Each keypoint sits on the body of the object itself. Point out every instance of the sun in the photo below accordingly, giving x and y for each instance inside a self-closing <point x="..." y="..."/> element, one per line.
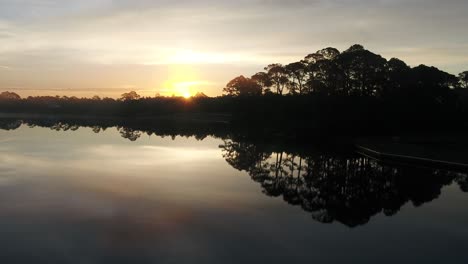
<point x="184" y="89"/>
<point x="182" y="81"/>
<point x="187" y="95"/>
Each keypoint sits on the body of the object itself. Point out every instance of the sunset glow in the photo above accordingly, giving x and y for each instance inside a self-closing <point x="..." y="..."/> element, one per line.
<point x="182" y="80"/>
<point x="184" y="56"/>
<point x="124" y="43"/>
<point x="184" y="89"/>
<point x="245" y="131"/>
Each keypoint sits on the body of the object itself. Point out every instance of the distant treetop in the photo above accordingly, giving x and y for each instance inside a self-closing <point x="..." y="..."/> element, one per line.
<point x="463" y="77"/>
<point x="243" y="86"/>
<point x="9" y="96"/>
<point x="200" y="95"/>
<point x="129" y="96"/>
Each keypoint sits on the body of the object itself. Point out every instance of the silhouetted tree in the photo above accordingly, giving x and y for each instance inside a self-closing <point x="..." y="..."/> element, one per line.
<point x="354" y="89"/>
<point x="200" y="95"/>
<point x="264" y="80"/>
<point x="324" y="74"/>
<point x="463" y="79"/>
<point x="242" y="86"/>
<point x="130" y="96"/>
<point x="298" y="73"/>
<point x="129" y="133"/>
<point x="10" y="124"/>
<point x="278" y="76"/>
<point x="9" y="96"/>
<point x="242" y="156"/>
<point x="398" y="78"/>
<point x="364" y="71"/>
<point x="432" y="84"/>
<point x="329" y="53"/>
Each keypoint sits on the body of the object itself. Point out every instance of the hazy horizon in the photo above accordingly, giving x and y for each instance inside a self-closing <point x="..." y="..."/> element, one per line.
<point x="105" y="48"/>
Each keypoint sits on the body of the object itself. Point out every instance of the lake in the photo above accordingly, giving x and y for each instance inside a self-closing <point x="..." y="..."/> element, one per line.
<point x="72" y="194"/>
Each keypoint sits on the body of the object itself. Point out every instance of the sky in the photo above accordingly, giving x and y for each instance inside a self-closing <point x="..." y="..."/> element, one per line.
<point x="107" y="47"/>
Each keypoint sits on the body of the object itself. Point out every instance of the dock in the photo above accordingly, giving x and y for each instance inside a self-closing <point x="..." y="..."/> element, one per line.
<point x="449" y="155"/>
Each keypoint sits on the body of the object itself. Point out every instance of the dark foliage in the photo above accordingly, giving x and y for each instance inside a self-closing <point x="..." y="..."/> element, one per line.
<point x="354" y="92"/>
<point x="325" y="176"/>
<point x="337" y="186"/>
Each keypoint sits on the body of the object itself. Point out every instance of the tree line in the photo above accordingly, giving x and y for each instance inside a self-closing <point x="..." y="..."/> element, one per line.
<point x="128" y="104"/>
<point x="353" y="72"/>
<point x="354" y="92"/>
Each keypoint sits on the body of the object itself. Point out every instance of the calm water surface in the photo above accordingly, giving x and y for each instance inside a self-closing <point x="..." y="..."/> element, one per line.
<point x="85" y="197"/>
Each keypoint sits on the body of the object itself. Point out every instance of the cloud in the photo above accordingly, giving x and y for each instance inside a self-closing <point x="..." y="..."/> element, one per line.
<point x="51" y="34"/>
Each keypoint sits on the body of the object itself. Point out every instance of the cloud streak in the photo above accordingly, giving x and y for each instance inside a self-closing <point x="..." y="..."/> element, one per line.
<point x="43" y="35"/>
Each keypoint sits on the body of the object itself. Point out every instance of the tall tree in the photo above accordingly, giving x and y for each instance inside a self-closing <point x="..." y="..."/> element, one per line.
<point x="364" y="71"/>
<point x="130" y="96"/>
<point x="430" y="83"/>
<point x="329" y="53"/>
<point x="323" y="74"/>
<point x="313" y="58"/>
<point x="278" y="76"/>
<point x="397" y="80"/>
<point x="463" y="79"/>
<point x="9" y="96"/>
<point x="297" y="72"/>
<point x="242" y="86"/>
<point x="264" y="80"/>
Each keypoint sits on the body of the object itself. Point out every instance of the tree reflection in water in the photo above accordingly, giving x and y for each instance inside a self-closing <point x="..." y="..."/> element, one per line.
<point x="343" y="187"/>
<point x="129" y="133"/>
<point x="333" y="186"/>
<point x="128" y="128"/>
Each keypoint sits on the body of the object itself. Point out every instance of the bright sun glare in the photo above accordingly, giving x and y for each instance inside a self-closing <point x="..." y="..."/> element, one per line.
<point x="184" y="89"/>
<point x="181" y="82"/>
<point x="187" y="95"/>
